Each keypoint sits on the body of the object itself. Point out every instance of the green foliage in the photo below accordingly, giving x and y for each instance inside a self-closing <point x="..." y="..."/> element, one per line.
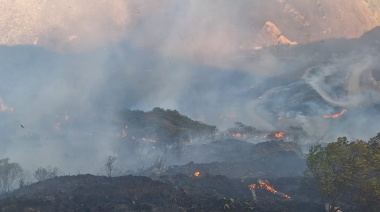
<point x="347" y="172"/>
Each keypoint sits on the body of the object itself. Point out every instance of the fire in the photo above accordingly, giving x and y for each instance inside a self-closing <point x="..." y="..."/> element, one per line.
<point x="197" y="174"/>
<point x="236" y="135"/>
<point x="149" y="140"/>
<point x="336" y="115"/>
<point x="4" y="108"/>
<point x="265" y="185"/>
<point x="279" y="135"/>
<point x="252" y="187"/>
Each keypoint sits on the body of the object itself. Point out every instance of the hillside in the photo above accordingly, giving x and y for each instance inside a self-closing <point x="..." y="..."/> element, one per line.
<point x="57" y="25"/>
<point x="136" y="193"/>
<point x="161" y="125"/>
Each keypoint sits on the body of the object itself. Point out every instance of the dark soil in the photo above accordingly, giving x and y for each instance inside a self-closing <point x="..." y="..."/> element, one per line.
<point x="167" y="193"/>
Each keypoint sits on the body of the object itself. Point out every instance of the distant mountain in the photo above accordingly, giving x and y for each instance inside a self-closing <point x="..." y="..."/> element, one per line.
<point x="74" y="25"/>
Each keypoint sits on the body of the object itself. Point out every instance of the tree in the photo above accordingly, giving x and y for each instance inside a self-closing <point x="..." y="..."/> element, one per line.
<point x="9" y="173"/>
<point x="347" y="172"/>
<point x="42" y="174"/>
<point x="110" y="166"/>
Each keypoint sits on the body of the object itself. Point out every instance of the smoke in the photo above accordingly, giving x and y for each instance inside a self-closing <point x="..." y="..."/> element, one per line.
<point x="86" y="61"/>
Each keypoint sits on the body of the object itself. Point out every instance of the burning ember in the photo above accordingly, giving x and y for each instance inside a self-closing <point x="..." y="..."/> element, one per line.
<point x="150" y="140"/>
<point x="252" y="187"/>
<point x="336" y="115"/>
<point x="279" y="135"/>
<point x="4" y="108"/>
<point x="197" y="174"/>
<point x="265" y="185"/>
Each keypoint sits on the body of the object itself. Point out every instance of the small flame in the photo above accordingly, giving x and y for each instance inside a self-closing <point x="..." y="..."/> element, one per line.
<point x="265" y="185"/>
<point x="237" y="135"/>
<point x="252" y="187"/>
<point x="197" y="174"/>
<point x="336" y="115"/>
<point x="149" y="140"/>
<point x="279" y="135"/>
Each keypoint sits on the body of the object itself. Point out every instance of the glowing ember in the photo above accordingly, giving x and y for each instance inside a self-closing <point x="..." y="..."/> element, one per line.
<point x="4" y="108"/>
<point x="149" y="140"/>
<point x="265" y="185"/>
<point x="252" y="187"/>
<point x="336" y="115"/>
<point x="279" y="135"/>
<point x="197" y="174"/>
<point x="236" y="135"/>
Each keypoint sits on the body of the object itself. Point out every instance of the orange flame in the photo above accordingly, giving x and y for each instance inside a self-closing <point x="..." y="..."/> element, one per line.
<point x="149" y="140"/>
<point x="197" y="174"/>
<point x="336" y="115"/>
<point x="236" y="135"/>
<point x="279" y="135"/>
<point x="265" y="185"/>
